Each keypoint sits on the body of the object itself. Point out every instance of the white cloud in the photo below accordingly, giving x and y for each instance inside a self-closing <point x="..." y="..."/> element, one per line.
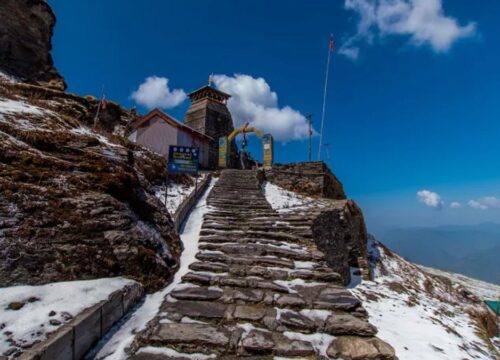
<point x="253" y="101"/>
<point x="423" y="21"/>
<point x="154" y="92"/>
<point x="485" y="203"/>
<point x="430" y="199"/>
<point x="352" y="52"/>
<point x="455" y="205"/>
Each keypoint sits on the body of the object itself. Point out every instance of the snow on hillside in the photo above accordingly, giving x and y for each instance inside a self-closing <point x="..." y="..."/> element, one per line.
<point x="481" y="289"/>
<point x="29" y="313"/>
<point x="177" y="193"/>
<point x="424" y="316"/>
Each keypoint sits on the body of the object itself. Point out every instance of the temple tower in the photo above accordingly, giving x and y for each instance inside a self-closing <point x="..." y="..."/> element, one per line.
<point x="209" y="115"/>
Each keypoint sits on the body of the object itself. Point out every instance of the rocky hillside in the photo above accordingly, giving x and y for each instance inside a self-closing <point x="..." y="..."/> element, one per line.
<point x="425" y="315"/>
<point x="76" y="202"/>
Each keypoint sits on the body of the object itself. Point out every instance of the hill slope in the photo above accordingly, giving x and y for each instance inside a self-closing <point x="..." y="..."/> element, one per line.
<point x="423" y="315"/>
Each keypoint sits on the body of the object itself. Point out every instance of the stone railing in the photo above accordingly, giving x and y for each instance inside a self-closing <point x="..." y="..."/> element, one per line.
<point x="186" y="206"/>
<point x="74" y="339"/>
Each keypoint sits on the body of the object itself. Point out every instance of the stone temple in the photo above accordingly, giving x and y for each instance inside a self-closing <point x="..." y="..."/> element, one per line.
<point x="209" y="115"/>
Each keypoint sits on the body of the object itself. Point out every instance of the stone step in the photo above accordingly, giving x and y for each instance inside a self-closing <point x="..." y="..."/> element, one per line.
<point x="247" y="260"/>
<point x="255" y="250"/>
<point x="267" y="317"/>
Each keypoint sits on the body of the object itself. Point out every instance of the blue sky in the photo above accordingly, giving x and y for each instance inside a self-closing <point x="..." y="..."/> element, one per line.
<point x="417" y="109"/>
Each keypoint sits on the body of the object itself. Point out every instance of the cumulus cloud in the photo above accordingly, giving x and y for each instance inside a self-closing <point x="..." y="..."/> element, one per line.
<point x="423" y="21"/>
<point x="455" y="205"/>
<point x="485" y="203"/>
<point x="253" y="101"/>
<point x="430" y="199"/>
<point x="154" y="92"/>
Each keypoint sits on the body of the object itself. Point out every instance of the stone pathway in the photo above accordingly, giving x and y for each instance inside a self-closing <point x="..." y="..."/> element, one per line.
<point x="259" y="288"/>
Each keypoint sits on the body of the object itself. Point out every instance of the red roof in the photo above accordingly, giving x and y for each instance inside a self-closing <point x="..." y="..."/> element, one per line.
<point x="170" y="120"/>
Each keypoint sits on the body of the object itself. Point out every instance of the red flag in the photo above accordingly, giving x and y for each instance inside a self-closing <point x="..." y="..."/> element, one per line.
<point x="332" y="44"/>
<point x="103" y="102"/>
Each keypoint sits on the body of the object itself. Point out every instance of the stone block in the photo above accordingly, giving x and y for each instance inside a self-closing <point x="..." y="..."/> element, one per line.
<point x="131" y="295"/>
<point x="58" y="347"/>
<point x="112" y="310"/>
<point x="345" y="324"/>
<point x="196" y="334"/>
<point x="87" y="330"/>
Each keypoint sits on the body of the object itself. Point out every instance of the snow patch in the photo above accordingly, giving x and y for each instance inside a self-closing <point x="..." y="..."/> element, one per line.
<point x="319" y="341"/>
<point x="177" y="193"/>
<point x="281" y="199"/>
<point x="174" y="354"/>
<point x="31" y="323"/>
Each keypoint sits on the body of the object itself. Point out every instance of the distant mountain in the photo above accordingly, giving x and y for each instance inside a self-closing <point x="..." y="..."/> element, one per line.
<point x="472" y="250"/>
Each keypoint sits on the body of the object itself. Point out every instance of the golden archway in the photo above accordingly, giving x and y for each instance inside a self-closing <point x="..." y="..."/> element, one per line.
<point x="225" y="146"/>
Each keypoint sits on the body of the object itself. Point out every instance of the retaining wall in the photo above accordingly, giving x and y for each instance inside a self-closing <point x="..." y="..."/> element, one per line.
<point x="186" y="206"/>
<point x="308" y="178"/>
<point x="74" y="339"/>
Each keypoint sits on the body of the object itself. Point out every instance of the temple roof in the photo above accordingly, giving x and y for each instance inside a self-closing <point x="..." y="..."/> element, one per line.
<point x="208" y="92"/>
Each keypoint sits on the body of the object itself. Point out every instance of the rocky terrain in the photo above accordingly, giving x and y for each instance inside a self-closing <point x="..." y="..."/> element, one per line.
<point x="76" y="202"/>
<point x="26" y="28"/>
<point x="427" y="314"/>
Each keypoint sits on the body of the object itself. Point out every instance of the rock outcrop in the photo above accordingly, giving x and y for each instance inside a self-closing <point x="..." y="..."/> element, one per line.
<point x="26" y="41"/>
<point x="77" y="202"/>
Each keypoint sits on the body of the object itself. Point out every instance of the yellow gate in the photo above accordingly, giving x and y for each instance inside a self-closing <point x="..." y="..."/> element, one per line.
<point x="267" y="146"/>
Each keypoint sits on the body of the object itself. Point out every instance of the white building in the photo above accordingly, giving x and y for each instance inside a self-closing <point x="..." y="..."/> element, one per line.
<point x="157" y="131"/>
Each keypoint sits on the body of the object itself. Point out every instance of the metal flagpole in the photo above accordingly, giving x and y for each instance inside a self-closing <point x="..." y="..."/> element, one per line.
<point x="330" y="50"/>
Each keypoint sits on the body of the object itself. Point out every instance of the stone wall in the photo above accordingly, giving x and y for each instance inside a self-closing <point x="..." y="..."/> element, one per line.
<point x="186" y="206"/>
<point x="74" y="339"/>
<point x="340" y="232"/>
<point x="307" y="178"/>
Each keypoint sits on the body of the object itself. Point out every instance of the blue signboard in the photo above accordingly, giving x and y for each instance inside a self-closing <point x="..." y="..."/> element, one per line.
<point x="183" y="159"/>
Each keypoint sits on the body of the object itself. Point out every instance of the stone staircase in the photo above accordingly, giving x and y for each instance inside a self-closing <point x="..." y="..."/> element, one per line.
<point x="259" y="288"/>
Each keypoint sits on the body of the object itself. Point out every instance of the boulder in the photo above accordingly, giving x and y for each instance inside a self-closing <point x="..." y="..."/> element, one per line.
<point x="358" y="348"/>
<point x="345" y="324"/>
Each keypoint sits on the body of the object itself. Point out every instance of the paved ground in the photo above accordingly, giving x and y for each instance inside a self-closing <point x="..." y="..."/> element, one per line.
<point x="259" y="288"/>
